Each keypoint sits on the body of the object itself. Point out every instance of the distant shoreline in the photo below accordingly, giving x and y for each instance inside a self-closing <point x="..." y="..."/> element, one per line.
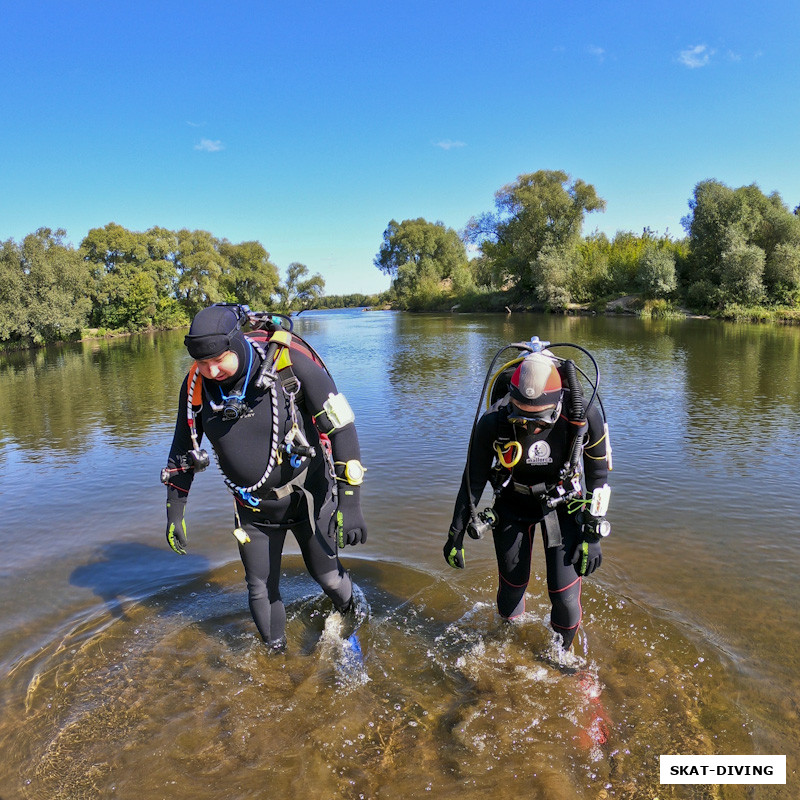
<point x="624" y="306"/>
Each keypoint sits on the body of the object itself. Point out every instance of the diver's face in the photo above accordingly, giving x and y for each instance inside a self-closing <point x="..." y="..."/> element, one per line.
<point x="534" y="418"/>
<point x="219" y="368"/>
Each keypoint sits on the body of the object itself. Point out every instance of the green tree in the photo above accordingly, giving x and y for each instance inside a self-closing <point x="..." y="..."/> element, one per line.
<point x="427" y="262"/>
<point x="540" y="211"/>
<point x="484" y="272"/>
<point x="249" y="276"/>
<point x="552" y="273"/>
<point x="722" y="225"/>
<point x="656" y="272"/>
<point x="429" y="248"/>
<point x="200" y="266"/>
<point x="13" y="313"/>
<point x="356" y="300"/>
<point x="55" y="291"/>
<point x="135" y="275"/>
<point x="782" y="273"/>
<point x="162" y="247"/>
<point x="122" y="300"/>
<point x="592" y="277"/>
<point x="742" y="268"/>
<point x="301" y="290"/>
<point x="627" y="250"/>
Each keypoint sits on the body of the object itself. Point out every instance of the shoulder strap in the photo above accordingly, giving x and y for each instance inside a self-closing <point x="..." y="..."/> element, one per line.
<point x="194" y="386"/>
<point x="276" y="349"/>
<point x="275" y="352"/>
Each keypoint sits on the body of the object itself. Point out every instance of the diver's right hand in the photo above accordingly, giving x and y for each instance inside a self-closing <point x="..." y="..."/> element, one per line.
<point x="177" y="536"/>
<point x="453" y="550"/>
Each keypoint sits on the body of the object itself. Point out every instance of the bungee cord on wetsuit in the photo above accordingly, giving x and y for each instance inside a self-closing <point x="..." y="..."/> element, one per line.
<point x="286" y="445"/>
<point x="544" y="448"/>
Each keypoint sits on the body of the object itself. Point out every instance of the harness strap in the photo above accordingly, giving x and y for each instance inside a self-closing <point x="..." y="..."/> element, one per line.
<point x="296" y="484"/>
<point x="537" y="489"/>
<point x="552" y="528"/>
<point x="277" y="361"/>
<point x="550" y="522"/>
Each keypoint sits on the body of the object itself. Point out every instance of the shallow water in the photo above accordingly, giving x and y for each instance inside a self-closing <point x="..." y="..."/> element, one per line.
<point x="129" y="672"/>
<point x="174" y="697"/>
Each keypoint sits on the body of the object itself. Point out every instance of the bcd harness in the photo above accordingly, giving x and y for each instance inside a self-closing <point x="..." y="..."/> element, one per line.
<point x="274" y="351"/>
<point x="508" y="452"/>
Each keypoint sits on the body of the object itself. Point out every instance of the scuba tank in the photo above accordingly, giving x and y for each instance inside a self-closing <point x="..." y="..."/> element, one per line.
<point x="496" y="385"/>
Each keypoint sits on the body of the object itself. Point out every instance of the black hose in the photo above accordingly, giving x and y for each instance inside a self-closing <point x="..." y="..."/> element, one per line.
<point x="594" y="384"/>
<point x="576" y="409"/>
<point x="577" y="412"/>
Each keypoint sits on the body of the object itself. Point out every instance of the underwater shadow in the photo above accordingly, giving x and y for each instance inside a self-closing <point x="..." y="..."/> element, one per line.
<point x="123" y="571"/>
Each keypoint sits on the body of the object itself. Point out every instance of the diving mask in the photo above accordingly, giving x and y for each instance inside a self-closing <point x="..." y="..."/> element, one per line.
<point x="541" y="418"/>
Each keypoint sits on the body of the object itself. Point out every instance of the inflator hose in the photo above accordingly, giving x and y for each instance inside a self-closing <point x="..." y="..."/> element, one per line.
<point x="577" y="412"/>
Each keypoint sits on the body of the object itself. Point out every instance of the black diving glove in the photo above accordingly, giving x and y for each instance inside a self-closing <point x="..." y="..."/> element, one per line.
<point x="588" y="554"/>
<point x="176" y="527"/>
<point x="348" y="523"/>
<point x="453" y="550"/>
<point x="587" y="557"/>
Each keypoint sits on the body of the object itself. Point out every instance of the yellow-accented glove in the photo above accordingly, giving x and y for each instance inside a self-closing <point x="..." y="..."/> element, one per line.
<point x="453" y="550"/>
<point x="177" y="536"/>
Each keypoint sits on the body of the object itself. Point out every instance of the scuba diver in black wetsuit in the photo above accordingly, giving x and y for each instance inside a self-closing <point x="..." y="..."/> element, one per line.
<point x="545" y="449"/>
<point x="287" y="448"/>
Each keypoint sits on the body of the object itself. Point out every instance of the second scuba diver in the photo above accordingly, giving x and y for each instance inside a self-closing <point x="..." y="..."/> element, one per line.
<point x="545" y="449"/>
<point x="286" y="444"/>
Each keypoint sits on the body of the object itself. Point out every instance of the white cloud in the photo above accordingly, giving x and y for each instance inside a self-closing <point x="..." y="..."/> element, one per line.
<point x="210" y="145"/>
<point x="598" y="52"/>
<point x="697" y="56"/>
<point x="449" y="144"/>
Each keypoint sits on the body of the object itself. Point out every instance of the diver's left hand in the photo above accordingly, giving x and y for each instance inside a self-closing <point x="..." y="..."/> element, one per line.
<point x="177" y="535"/>
<point x="453" y="550"/>
<point x="587" y="557"/>
<point x="349" y="526"/>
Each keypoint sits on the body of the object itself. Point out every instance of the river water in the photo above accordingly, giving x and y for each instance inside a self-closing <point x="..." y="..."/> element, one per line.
<point x="129" y="672"/>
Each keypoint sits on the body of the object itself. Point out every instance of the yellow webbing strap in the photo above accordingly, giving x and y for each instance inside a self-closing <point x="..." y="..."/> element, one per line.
<point x="283" y="357"/>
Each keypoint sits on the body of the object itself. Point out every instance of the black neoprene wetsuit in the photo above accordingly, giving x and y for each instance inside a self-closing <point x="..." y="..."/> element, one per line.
<point x="307" y="508"/>
<point x="520" y="509"/>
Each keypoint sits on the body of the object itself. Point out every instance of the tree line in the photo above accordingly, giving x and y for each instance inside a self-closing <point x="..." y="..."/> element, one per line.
<point x="121" y="280"/>
<point x="740" y="257"/>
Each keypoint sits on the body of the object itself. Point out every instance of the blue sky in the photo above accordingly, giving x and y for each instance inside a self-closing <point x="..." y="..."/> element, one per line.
<point x="308" y="126"/>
